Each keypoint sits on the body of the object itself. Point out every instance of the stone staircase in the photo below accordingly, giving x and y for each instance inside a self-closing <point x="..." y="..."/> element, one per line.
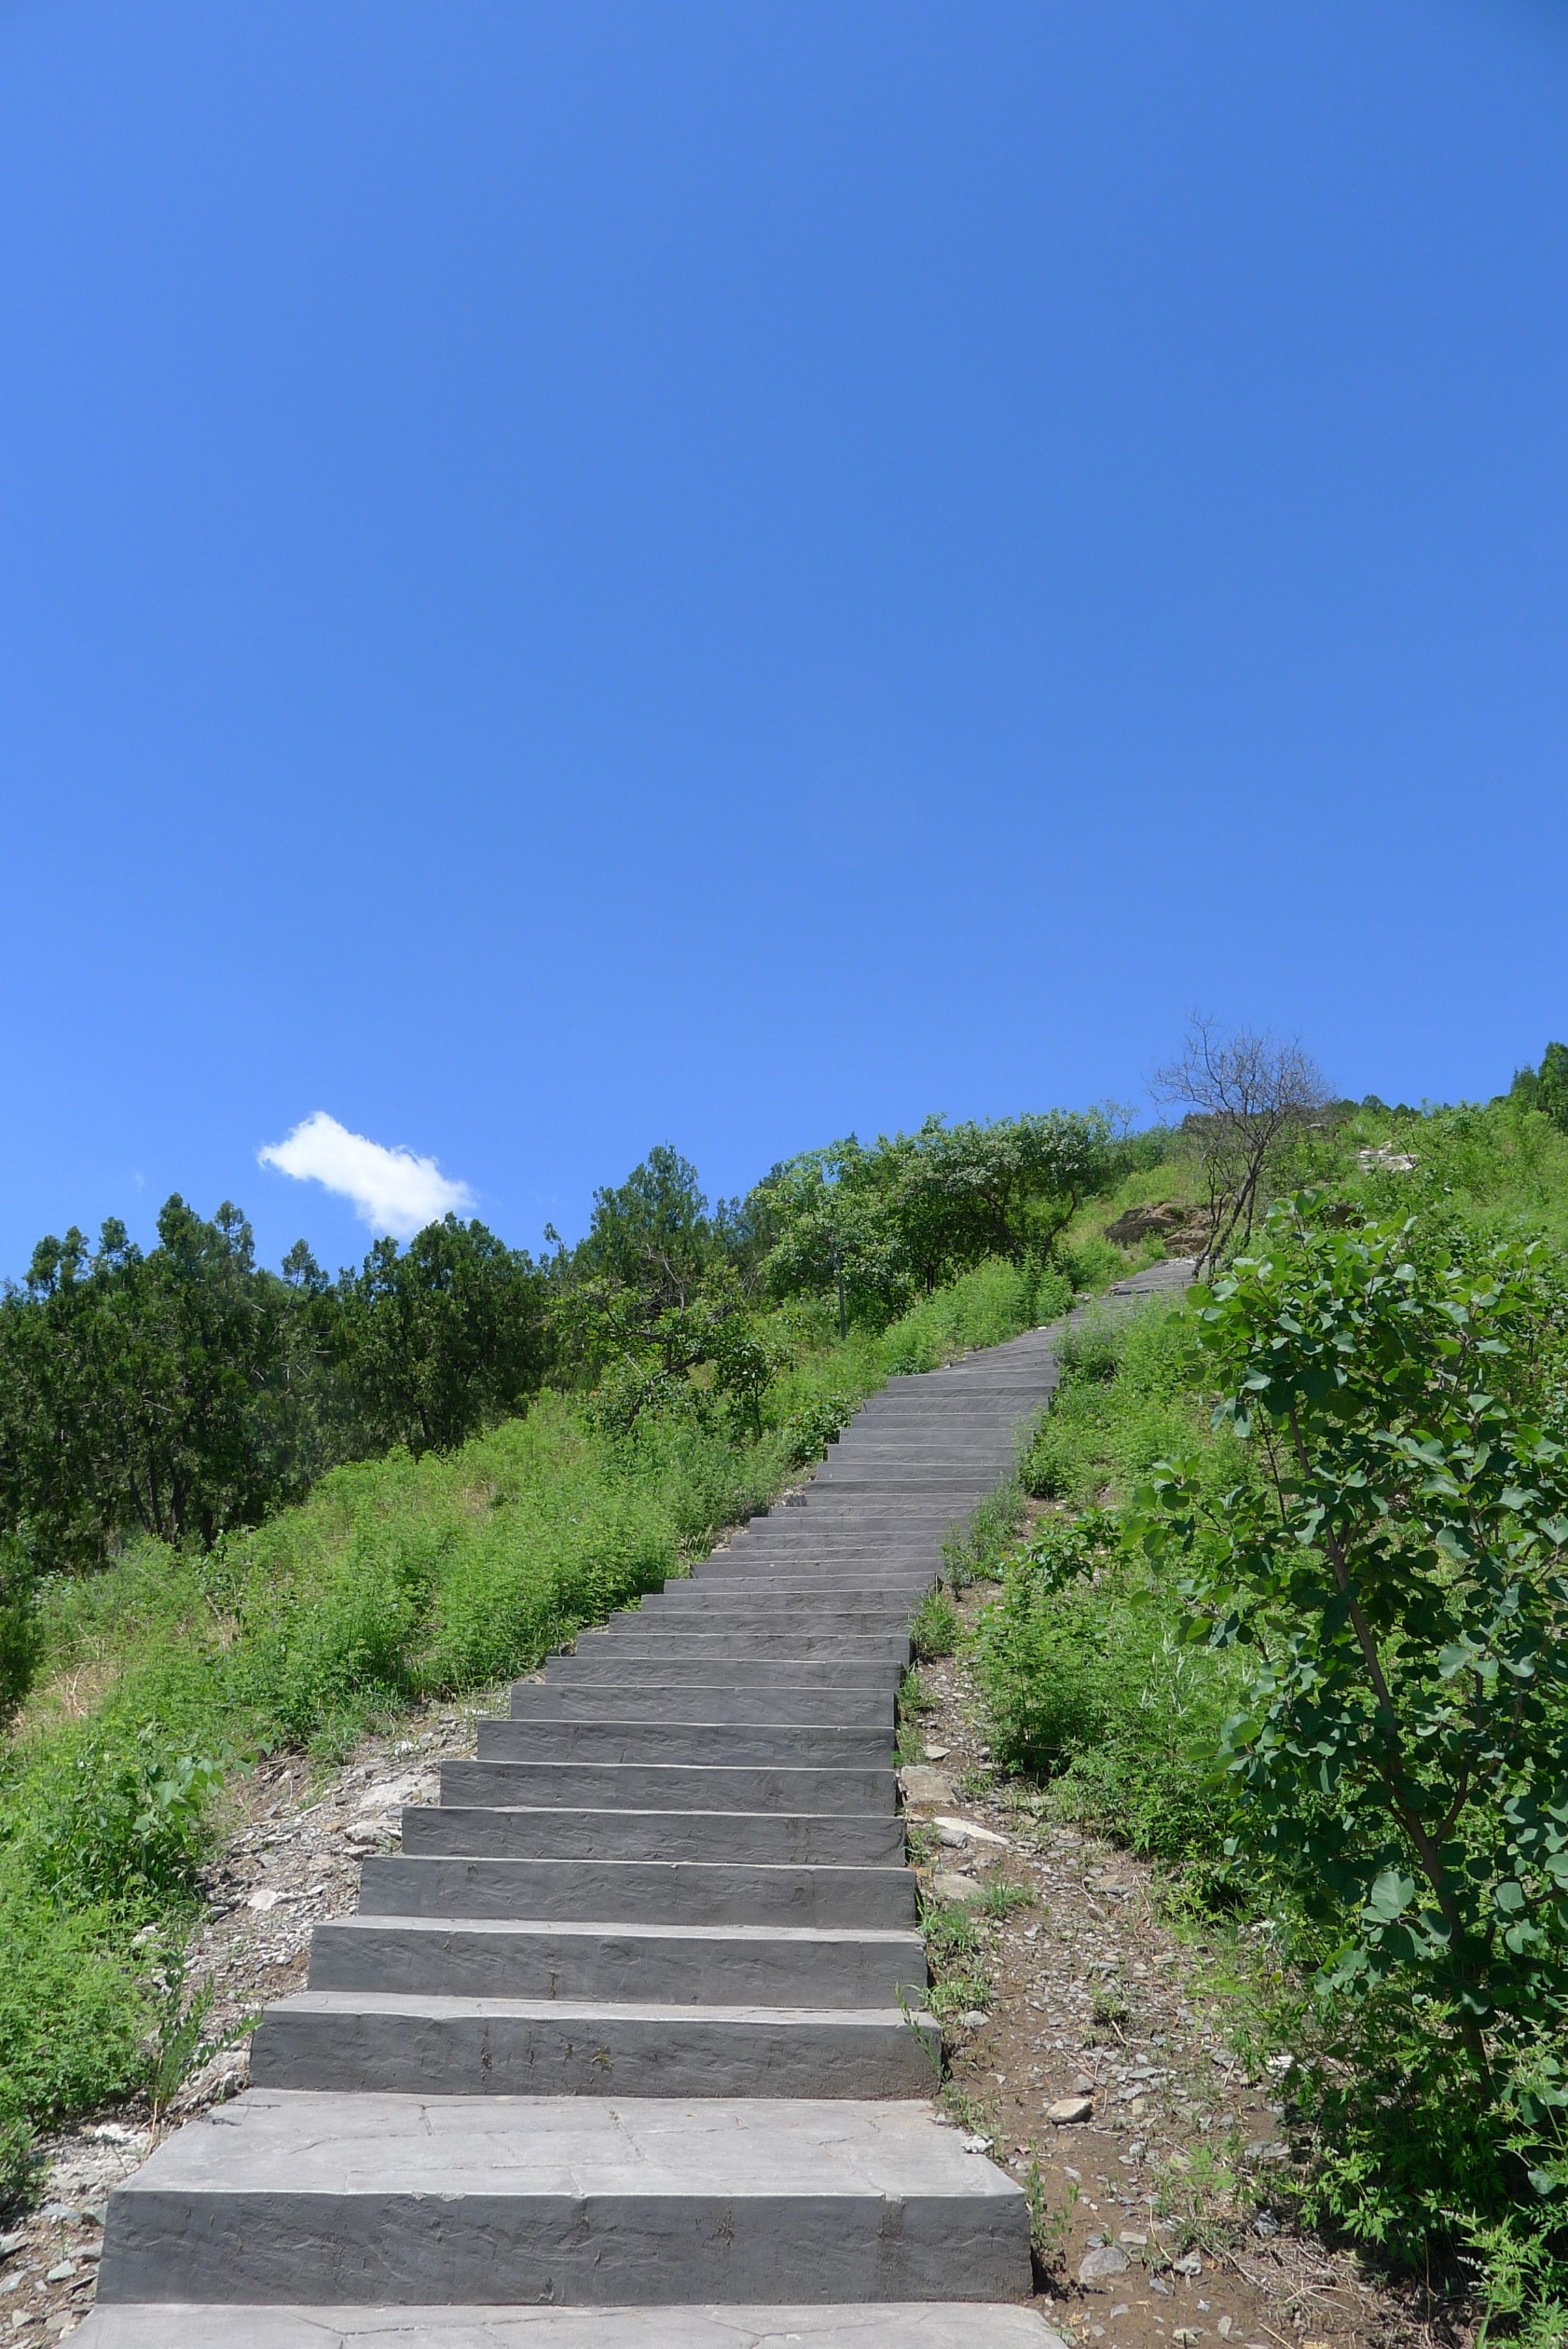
<point x="626" y="2048"/>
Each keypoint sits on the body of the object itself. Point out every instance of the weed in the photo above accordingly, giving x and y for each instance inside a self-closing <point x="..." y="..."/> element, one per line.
<point x="961" y="2107"/>
<point x="1204" y="2195"/>
<point x="1050" y="2225"/>
<point x="955" y="1941"/>
<point x="977" y="1555"/>
<point x="180" y="2041"/>
<point x="1109" y="2005"/>
<point x="1000" y="1899"/>
<point x="935" y="1631"/>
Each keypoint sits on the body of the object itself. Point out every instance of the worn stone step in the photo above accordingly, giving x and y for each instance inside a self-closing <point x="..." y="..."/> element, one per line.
<point x="665" y="1892"/>
<point x="842" y="1529"/>
<point x="612" y="1666"/>
<point x="298" y="2196"/>
<point x="893" y="2324"/>
<point x="737" y="1612"/>
<point x="734" y="1607"/>
<point x="810" y="1583"/>
<point x="840" y="1590"/>
<point x="863" y="1840"/>
<point x="847" y="1577"/>
<point x="794" y="1526"/>
<point x="428" y="2045"/>
<point x="642" y="1635"/>
<point x="863" y="1516"/>
<point x="702" y="1700"/>
<point x="655" y="1964"/>
<point x="659" y="1786"/>
<point x="832" y="1547"/>
<point x="776" y="1745"/>
<point x="901" y="1480"/>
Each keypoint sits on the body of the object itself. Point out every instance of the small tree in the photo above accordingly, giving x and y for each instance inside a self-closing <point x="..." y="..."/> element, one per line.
<point x="1248" y="1094"/>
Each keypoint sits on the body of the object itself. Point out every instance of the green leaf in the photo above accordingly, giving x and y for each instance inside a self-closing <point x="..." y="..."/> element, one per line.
<point x="1390" y="1896"/>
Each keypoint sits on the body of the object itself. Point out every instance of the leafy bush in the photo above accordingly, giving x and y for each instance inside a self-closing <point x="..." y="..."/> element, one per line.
<point x="110" y="1818"/>
<point x="983" y="1308"/>
<point x="1131" y="1392"/>
<point x="1399" y="1581"/>
<point x="73" y="2007"/>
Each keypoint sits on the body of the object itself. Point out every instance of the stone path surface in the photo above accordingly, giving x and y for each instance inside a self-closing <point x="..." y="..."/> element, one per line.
<point x="626" y="2048"/>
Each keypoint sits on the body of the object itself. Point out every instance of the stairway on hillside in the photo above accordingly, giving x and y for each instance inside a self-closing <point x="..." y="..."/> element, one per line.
<point x="625" y="2049"/>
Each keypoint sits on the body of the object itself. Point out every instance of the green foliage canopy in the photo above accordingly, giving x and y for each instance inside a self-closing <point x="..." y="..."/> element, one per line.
<point x="898" y="1221"/>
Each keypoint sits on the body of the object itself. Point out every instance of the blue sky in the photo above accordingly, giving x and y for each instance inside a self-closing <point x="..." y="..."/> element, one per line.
<point x="579" y="575"/>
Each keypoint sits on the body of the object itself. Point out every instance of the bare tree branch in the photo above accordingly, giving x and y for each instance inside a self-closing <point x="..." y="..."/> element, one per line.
<point x="1245" y="1093"/>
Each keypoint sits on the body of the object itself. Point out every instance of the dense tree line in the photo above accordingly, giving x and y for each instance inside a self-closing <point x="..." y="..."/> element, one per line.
<point x="183" y="1391"/>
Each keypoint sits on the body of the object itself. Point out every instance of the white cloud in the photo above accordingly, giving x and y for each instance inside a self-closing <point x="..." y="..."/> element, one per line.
<point x="393" y="1191"/>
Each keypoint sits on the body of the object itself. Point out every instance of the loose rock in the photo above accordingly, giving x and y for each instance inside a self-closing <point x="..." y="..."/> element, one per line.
<point x="948" y="1887"/>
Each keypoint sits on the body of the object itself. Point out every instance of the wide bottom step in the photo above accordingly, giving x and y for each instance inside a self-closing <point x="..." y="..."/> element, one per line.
<point x="289" y="2196"/>
<point x="894" y="2325"/>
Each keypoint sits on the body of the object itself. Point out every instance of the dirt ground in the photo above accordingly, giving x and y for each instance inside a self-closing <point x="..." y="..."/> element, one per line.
<point x="1099" y="2010"/>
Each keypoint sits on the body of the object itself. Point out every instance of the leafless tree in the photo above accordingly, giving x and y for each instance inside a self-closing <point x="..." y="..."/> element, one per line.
<point x="1245" y="1094"/>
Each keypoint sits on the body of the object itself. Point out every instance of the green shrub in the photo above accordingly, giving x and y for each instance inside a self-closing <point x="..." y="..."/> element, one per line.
<point x="1131" y="1392"/>
<point x="1091" y="1686"/>
<point x="74" y="2010"/>
<point x="985" y="1306"/>
<point x="107" y="1815"/>
<point x="975" y="1553"/>
<point x="18" y="2149"/>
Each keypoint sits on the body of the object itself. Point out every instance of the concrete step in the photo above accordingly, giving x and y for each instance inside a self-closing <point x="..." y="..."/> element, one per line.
<point x="702" y="1701"/>
<point x="807" y="1582"/>
<point x="293" y="2196"/>
<point x="735" y="1606"/>
<point x="426" y="2045"/>
<point x="663" y="1891"/>
<point x="611" y="1664"/>
<point x="663" y="1965"/>
<point x="834" y="1573"/>
<point x="818" y="1580"/>
<point x="902" y="1481"/>
<point x="854" y="1525"/>
<point x="726" y="1744"/>
<point x="778" y="1837"/>
<point x="660" y="1786"/>
<point x="893" y="2324"/>
<point x="645" y="1635"/>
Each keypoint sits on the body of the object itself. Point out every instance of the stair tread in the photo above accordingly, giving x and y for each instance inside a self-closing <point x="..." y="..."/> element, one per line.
<point x="443" y="2003"/>
<point x="807" y="1935"/>
<point x="860" y="2324"/>
<point x="315" y="2142"/>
